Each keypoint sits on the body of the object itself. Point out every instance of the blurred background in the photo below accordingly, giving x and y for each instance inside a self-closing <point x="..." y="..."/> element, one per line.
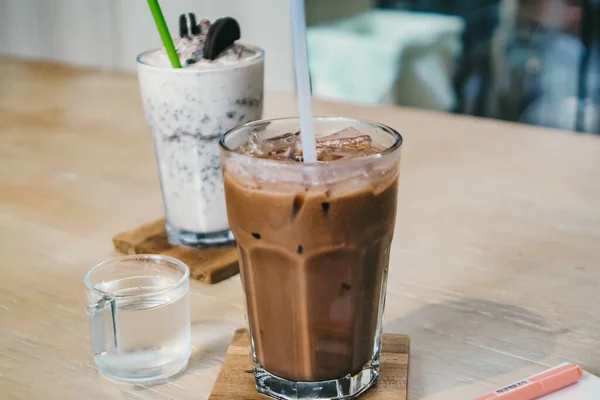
<point x="531" y="61"/>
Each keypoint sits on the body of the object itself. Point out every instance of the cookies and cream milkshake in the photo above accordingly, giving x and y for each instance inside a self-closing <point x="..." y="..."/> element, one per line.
<point x="188" y="109"/>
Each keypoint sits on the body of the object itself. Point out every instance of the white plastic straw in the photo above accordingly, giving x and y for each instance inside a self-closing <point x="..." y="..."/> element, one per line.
<point x="307" y="132"/>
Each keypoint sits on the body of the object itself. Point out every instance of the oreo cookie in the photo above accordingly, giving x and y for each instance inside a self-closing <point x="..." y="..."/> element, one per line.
<point x="221" y="34"/>
<point x="187" y="25"/>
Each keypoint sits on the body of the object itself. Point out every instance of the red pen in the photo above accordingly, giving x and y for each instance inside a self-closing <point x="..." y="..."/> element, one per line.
<point x="539" y="385"/>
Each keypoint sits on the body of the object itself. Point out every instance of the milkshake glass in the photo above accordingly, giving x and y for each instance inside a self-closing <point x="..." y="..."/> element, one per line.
<point x="188" y="109"/>
<point x="314" y="244"/>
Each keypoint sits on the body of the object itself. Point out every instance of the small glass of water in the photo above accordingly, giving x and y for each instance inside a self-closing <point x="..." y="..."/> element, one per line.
<point x="139" y="309"/>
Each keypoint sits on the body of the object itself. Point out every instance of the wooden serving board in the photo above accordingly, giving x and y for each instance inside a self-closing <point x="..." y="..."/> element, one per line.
<point x="236" y="382"/>
<point x="207" y="265"/>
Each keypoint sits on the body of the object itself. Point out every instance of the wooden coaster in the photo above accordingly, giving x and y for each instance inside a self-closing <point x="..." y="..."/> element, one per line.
<point x="206" y="265"/>
<point x="235" y="380"/>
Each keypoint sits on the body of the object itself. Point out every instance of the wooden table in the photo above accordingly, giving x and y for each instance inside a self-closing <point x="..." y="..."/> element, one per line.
<point x="495" y="269"/>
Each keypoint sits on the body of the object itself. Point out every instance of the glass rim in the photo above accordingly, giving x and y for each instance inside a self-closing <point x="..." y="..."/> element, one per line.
<point x="258" y="57"/>
<point x="151" y="257"/>
<point x="394" y="148"/>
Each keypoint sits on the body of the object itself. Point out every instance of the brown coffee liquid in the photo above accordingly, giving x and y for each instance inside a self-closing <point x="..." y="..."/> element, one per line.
<point x="314" y="268"/>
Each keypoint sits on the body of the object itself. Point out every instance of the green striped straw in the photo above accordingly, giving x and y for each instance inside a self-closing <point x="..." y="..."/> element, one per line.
<point x="163" y="30"/>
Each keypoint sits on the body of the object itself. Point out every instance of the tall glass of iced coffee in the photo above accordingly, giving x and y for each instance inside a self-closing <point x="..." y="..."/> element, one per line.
<point x="314" y="243"/>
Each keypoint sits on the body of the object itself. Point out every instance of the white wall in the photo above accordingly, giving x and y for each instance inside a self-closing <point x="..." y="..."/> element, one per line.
<point x="110" y="33"/>
<point x="46" y="29"/>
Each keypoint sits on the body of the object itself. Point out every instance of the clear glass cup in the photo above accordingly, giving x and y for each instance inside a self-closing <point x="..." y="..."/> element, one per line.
<point x="187" y="110"/>
<point x="314" y="243"/>
<point x="139" y="309"/>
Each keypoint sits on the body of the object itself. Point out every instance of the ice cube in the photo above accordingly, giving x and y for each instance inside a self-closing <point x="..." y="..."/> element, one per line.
<point x="347" y="147"/>
<point x="332" y="154"/>
<point x="347" y="143"/>
<point x="253" y="146"/>
<point x="359" y="142"/>
<point x="344" y="133"/>
<point x="284" y="147"/>
<point x="283" y="142"/>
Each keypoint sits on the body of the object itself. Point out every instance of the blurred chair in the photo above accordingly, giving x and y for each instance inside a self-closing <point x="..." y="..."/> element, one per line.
<point x="384" y="56"/>
<point x="472" y="74"/>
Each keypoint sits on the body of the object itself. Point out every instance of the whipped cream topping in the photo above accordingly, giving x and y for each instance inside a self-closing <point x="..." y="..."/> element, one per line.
<point x="191" y="48"/>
